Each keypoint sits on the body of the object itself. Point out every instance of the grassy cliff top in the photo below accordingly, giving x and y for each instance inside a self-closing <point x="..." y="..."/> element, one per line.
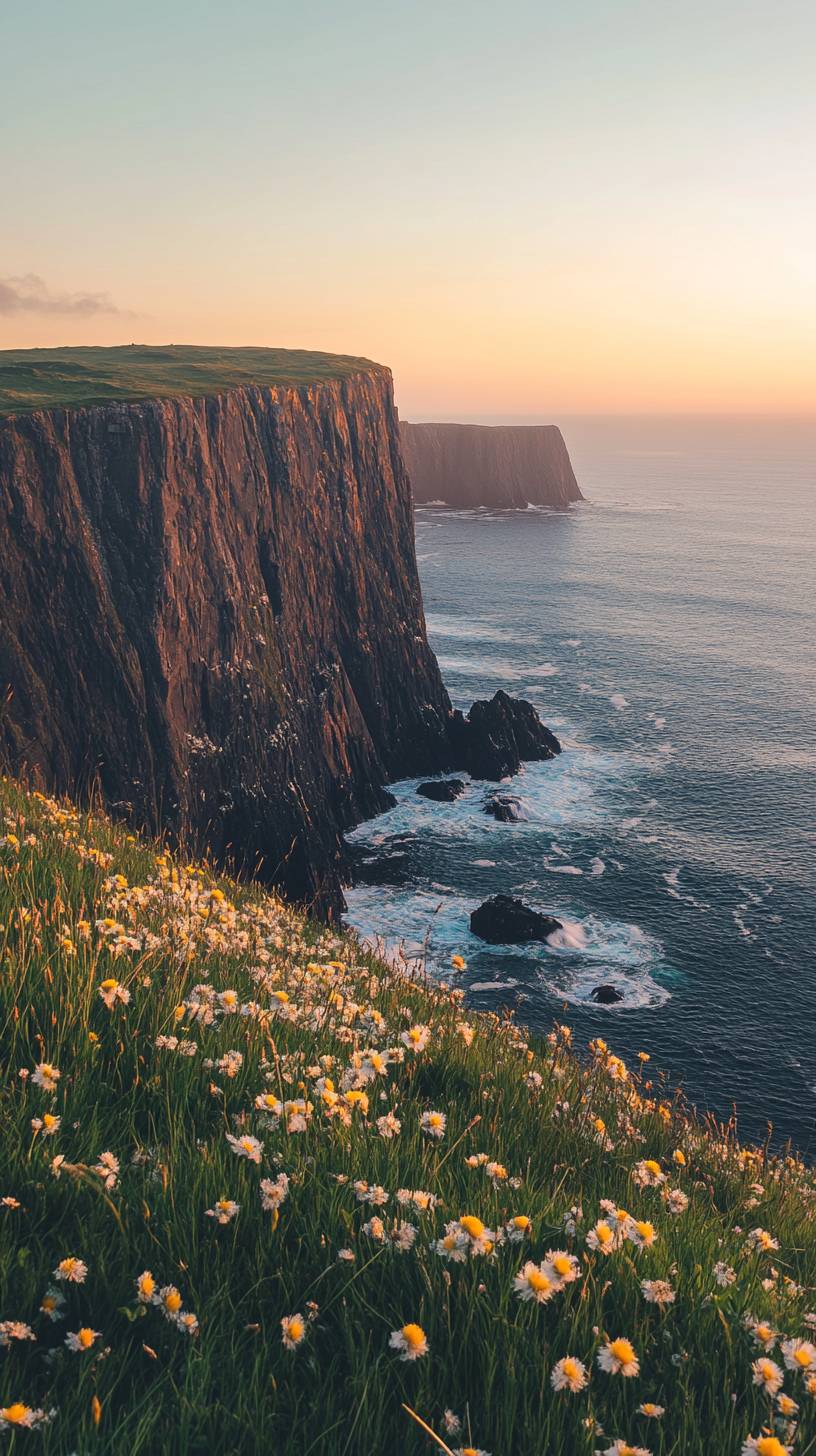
<point x="261" y="1192"/>
<point x="32" y="379"/>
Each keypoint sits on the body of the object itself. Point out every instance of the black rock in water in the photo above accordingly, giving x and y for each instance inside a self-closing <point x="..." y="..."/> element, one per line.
<point x="444" y="791"/>
<point x="498" y="735"/>
<point x="506" y="808"/>
<point x="606" y="995"/>
<point x="502" y="920"/>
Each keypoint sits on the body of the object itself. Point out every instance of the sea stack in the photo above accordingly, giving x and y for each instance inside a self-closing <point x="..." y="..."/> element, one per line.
<point x="506" y="467"/>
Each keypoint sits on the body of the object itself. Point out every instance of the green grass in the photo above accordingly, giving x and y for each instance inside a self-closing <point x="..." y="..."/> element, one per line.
<point x="145" y="1387"/>
<point x="33" y="379"/>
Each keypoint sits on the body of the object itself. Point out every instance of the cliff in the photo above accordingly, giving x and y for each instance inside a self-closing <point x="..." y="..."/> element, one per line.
<point x="503" y="466"/>
<point x="211" y="613"/>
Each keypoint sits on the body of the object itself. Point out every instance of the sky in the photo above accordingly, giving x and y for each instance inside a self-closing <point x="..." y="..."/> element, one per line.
<point x="525" y="208"/>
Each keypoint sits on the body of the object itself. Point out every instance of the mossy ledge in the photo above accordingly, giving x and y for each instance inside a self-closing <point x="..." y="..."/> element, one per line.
<point x="247" y="1167"/>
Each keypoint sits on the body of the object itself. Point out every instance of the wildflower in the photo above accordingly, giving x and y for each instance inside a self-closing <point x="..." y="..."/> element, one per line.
<point x="246" y="1147"/>
<point x="799" y="1355"/>
<point x="767" y="1374"/>
<point x="786" y="1406"/>
<point x="724" y="1274"/>
<point x="561" y="1266"/>
<point x="82" y="1339"/>
<point x="274" y="1192"/>
<point x="71" y="1270"/>
<point x="346" y="1256"/>
<point x="603" y="1239"/>
<point x="19" y="1416"/>
<point x="294" y="1330"/>
<point x="466" y="1032"/>
<point x="676" y="1201"/>
<point x="569" y="1374"/>
<point x="617" y="1357"/>
<point x="761" y="1241"/>
<point x="112" y="991"/>
<point x="370" y="1193"/>
<point x="169" y="1299"/>
<point x="657" y="1291"/>
<point x="48" y="1124"/>
<point x="51" y="1304"/>
<point x="536" y="1283"/>
<point x="14" y="1330"/>
<point x="46" y="1076"/>
<point x="451" y="1422"/>
<point x="496" y="1172"/>
<point x="470" y="1451"/>
<point x="108" y="1169"/>
<point x="517" y="1229"/>
<point x="268" y="1102"/>
<point x="654" y="1412"/>
<point x="404" y="1237"/>
<point x="411" y="1341"/>
<point x="145" y="1287"/>
<point x="764" y="1446"/>
<point x="224" y="1210"/>
<point x="761" y="1331"/>
<point x="648" y="1174"/>
<point x="643" y="1235"/>
<point x="622" y="1448"/>
<point x="375" y="1229"/>
<point x="187" y="1322"/>
<point x="388" y="1126"/>
<point x="459" y="963"/>
<point x="433" y="1123"/>
<point x="416" y="1038"/>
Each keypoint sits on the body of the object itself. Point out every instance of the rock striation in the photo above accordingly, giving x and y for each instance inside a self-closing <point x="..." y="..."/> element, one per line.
<point x="503" y="466"/>
<point x="212" y="616"/>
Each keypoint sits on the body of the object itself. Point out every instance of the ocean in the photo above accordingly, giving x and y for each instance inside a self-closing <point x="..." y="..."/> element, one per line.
<point x="666" y="632"/>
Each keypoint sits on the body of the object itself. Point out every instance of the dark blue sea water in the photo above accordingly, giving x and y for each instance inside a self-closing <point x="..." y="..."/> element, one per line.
<point x="666" y="632"/>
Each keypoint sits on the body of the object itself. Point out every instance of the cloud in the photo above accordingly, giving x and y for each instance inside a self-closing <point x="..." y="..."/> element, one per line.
<point x="30" y="294"/>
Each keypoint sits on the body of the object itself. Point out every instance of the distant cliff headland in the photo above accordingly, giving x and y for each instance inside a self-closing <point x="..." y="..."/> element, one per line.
<point x="212" y="611"/>
<point x="503" y="466"/>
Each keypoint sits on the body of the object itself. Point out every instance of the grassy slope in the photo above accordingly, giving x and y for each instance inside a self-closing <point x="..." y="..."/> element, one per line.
<point x="233" y="1387"/>
<point x="33" y="379"/>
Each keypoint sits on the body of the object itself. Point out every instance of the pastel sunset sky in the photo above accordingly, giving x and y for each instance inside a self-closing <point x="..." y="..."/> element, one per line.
<point x="524" y="208"/>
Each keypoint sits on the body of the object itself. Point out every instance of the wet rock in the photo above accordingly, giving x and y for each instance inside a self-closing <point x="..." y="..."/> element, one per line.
<point x="443" y="791"/>
<point x="498" y="735"/>
<point x="506" y="808"/>
<point x="503" y="920"/>
<point x="606" y="995"/>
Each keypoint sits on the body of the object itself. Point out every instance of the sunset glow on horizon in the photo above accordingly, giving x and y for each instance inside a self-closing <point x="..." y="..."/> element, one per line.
<point x="522" y="211"/>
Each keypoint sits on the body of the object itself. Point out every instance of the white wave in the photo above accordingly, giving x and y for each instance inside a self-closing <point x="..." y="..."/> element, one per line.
<point x="572" y="641"/>
<point x="484" y="864"/>
<point x="571" y="936"/>
<point x="597" y="866"/>
<point x="547" y="669"/>
<point x="492" y="985"/>
<point x="562" y="869"/>
<point x="619" y="701"/>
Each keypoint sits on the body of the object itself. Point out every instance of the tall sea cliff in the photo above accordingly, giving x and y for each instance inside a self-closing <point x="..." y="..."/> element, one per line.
<point x="212" y="614"/>
<point x="503" y="466"/>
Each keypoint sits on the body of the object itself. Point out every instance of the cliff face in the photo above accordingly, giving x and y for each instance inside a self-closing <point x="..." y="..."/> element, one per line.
<point x="211" y="610"/>
<point x="504" y="466"/>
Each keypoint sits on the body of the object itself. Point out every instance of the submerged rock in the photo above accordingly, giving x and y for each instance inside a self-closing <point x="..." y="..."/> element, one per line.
<point x="506" y="808"/>
<point x="444" y="791"/>
<point x="503" y="920"/>
<point x="606" y="995"/>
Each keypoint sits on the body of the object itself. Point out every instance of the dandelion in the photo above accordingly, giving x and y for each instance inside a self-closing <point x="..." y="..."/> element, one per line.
<point x="82" y="1339"/>
<point x="46" y="1076"/>
<point x="224" y="1210"/>
<point x="617" y="1357"/>
<point x="641" y="1234"/>
<point x="19" y="1416"/>
<point x="459" y="963"/>
<point x="622" y="1448"/>
<point x="375" y="1229"/>
<point x="761" y="1241"/>
<point x="169" y="1300"/>
<point x="470" y="1451"/>
<point x="652" y="1411"/>
<point x="71" y="1270"/>
<point x="433" y="1124"/>
<point x="187" y="1322"/>
<point x="517" y="1229"/>
<point x="112" y="991"/>
<point x="767" y="1374"/>
<point x="799" y="1355"/>
<point x="411" y="1341"/>
<point x="14" y="1330"/>
<point x="786" y="1406"/>
<point x="246" y="1147"/>
<point x="535" y="1283"/>
<point x="763" y="1334"/>
<point x="569" y="1374"/>
<point x="294" y="1331"/>
<point x="602" y="1239"/>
